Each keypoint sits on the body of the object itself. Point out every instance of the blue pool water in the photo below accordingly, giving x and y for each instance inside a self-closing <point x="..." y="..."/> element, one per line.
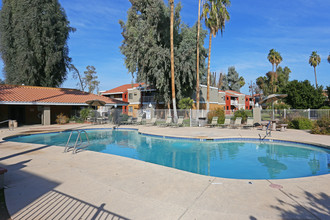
<point x="238" y="159"/>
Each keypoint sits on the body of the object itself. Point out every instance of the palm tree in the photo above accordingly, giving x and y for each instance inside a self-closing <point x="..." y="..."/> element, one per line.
<point x="274" y="58"/>
<point x="278" y="60"/>
<point x="271" y="57"/>
<point x="215" y="14"/>
<point x="197" y="52"/>
<point x="314" y="60"/>
<point x="172" y="62"/>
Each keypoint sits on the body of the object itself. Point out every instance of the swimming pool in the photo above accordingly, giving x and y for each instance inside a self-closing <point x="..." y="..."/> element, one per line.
<point x="229" y="159"/>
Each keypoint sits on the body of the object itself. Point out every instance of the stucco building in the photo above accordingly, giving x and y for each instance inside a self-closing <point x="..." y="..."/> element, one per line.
<point x="41" y="105"/>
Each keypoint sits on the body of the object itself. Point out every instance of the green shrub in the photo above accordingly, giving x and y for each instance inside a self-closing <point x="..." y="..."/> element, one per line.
<point x="84" y="113"/>
<point x="242" y="114"/>
<point x="76" y="119"/>
<point x="300" y="123"/>
<point x="325" y="107"/>
<point x="281" y="106"/>
<point x="124" y="117"/>
<point x="219" y="112"/>
<point x="186" y="122"/>
<point x="186" y="103"/>
<point x="321" y="126"/>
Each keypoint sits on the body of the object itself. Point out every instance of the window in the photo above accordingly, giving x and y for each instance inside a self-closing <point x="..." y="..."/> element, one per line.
<point x="130" y="108"/>
<point x="125" y="96"/>
<point x="130" y="96"/>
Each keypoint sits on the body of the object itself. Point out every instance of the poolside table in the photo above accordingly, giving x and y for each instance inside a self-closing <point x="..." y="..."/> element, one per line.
<point x="274" y="124"/>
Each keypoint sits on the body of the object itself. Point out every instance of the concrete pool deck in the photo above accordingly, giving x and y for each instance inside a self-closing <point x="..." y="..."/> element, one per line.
<point x="45" y="183"/>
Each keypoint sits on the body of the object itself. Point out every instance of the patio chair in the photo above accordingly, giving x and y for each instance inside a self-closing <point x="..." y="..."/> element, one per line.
<point x="225" y="124"/>
<point x="138" y="120"/>
<point x="129" y="121"/>
<point x="168" y="122"/>
<point x="152" y="122"/>
<point x="179" y="123"/>
<point x="214" y="122"/>
<point x="249" y="123"/>
<point x="238" y="123"/>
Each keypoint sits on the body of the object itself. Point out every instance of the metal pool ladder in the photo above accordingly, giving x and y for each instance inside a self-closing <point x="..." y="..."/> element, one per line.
<point x="78" y="143"/>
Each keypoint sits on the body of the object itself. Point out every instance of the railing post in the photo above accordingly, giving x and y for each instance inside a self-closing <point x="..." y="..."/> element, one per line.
<point x="190" y="118"/>
<point x="309" y="113"/>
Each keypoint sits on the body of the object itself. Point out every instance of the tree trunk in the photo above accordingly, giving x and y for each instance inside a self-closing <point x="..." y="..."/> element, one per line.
<point x="315" y="76"/>
<point x="169" y="109"/>
<point x="172" y="63"/>
<point x="208" y="74"/>
<point x="197" y="62"/>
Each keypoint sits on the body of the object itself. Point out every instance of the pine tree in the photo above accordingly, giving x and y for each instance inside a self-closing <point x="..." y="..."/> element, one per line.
<point x="232" y="81"/>
<point x="33" y="42"/>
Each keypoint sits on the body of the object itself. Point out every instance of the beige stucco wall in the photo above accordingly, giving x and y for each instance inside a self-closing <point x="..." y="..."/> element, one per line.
<point x="213" y="94"/>
<point x="136" y="96"/>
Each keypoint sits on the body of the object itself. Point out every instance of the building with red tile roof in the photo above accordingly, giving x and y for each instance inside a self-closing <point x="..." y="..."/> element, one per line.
<point x="27" y="104"/>
<point x="121" y="89"/>
<point x="138" y="95"/>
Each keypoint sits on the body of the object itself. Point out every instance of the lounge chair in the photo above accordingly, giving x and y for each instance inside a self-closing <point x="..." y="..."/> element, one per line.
<point x="249" y="123"/>
<point x="152" y="122"/>
<point x="226" y="123"/>
<point x="238" y="123"/>
<point x="168" y="122"/>
<point x="179" y="123"/>
<point x="138" y="120"/>
<point x="214" y="122"/>
<point x="129" y="121"/>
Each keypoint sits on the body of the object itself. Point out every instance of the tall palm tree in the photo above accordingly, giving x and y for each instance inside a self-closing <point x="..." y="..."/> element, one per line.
<point x="274" y="58"/>
<point x="172" y="62"/>
<point x="216" y="15"/>
<point x="314" y="60"/>
<point x="278" y="60"/>
<point x="271" y="57"/>
<point x="197" y="52"/>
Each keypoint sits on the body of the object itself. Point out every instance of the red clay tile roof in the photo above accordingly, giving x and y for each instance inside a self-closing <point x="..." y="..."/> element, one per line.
<point x="231" y="92"/>
<point x="47" y="95"/>
<point x="122" y="89"/>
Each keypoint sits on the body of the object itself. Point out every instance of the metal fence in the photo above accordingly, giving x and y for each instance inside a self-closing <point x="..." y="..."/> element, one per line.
<point x="199" y="118"/>
<point x="289" y="114"/>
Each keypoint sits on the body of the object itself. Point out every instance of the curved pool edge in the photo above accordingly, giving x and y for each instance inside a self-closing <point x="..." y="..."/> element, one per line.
<point x="246" y="199"/>
<point x="178" y="137"/>
<point x="235" y="138"/>
<point x="199" y="139"/>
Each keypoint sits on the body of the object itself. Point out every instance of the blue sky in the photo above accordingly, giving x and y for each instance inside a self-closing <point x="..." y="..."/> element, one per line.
<point x="294" y="28"/>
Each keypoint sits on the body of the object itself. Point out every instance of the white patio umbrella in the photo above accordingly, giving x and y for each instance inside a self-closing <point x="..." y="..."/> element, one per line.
<point x="271" y="99"/>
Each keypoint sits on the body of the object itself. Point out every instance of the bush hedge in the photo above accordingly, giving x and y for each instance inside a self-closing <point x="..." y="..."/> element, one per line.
<point x="321" y="126"/>
<point x="219" y="112"/>
<point x="242" y="114"/>
<point x="62" y="119"/>
<point x="300" y="123"/>
<point x="84" y="113"/>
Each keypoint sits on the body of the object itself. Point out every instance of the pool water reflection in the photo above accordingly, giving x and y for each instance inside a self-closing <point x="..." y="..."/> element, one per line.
<point x="240" y="160"/>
